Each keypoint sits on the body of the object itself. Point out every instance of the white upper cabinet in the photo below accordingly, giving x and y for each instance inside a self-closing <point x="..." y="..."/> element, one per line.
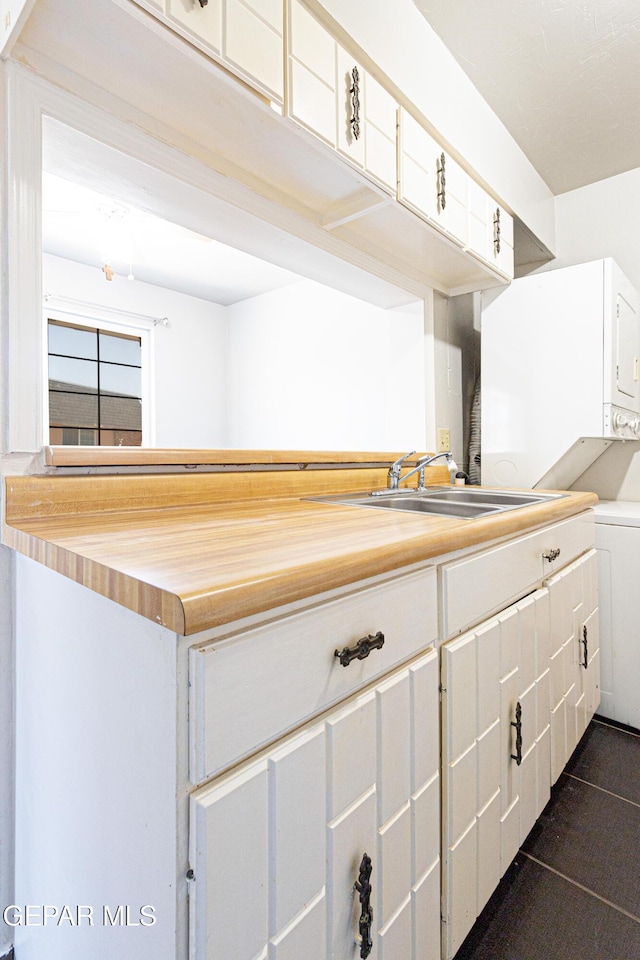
<point x="490" y="231"/>
<point x="244" y="35"/>
<point x="331" y="94"/>
<point x="430" y="181"/>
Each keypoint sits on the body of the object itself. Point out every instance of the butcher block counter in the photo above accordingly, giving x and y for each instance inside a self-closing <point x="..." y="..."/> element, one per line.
<point x="194" y="550"/>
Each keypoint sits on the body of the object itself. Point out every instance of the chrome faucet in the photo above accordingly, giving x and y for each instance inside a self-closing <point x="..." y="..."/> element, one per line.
<point x="420" y="468"/>
<point x="393" y="474"/>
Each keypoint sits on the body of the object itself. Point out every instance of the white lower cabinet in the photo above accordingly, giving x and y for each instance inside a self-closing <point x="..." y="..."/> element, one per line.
<point x="495" y="754"/>
<point x="277" y="844"/>
<point x="246" y="772"/>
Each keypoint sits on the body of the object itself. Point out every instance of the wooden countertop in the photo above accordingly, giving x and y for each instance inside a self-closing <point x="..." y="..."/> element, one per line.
<point x="182" y="552"/>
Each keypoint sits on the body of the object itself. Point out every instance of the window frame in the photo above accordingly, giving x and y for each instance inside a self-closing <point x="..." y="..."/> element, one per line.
<point x="94" y="317"/>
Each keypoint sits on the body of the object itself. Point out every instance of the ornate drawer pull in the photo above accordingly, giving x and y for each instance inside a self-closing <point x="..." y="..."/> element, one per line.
<point x="496" y="231"/>
<point x="585" y="663"/>
<point x="363" y="886"/>
<point x="203" y="3"/>
<point x="355" y="103"/>
<point x="361" y="650"/>
<point x="517" y="723"/>
<point x="552" y="555"/>
<point x="442" y="192"/>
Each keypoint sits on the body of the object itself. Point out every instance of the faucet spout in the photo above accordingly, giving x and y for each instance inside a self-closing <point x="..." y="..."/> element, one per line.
<point x="424" y="462"/>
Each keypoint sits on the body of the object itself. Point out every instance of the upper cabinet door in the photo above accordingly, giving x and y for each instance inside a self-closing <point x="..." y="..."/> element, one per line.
<point x="253" y="42"/>
<point x="202" y="24"/>
<point x="311" y="81"/>
<point x="490" y="230"/>
<point x="381" y="121"/>
<point x="418" y="170"/>
<point x="430" y="181"/>
<point x="245" y="35"/>
<point x="367" y="120"/>
<point x="331" y="94"/>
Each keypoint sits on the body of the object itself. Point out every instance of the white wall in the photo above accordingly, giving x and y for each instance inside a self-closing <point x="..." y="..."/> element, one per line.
<point x="311" y="368"/>
<point x="601" y="220"/>
<point x="189" y="355"/>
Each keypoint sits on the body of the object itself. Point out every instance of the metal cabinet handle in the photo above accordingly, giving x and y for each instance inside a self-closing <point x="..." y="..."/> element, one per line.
<point x="203" y="3"/>
<point x="517" y="723"/>
<point x="552" y="555"/>
<point x="585" y="662"/>
<point x="361" y="650"/>
<point x="496" y="231"/>
<point x="355" y="103"/>
<point x="442" y="192"/>
<point x="363" y="886"/>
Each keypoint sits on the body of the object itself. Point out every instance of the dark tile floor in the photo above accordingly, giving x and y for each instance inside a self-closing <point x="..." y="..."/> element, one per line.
<point x="573" y="891"/>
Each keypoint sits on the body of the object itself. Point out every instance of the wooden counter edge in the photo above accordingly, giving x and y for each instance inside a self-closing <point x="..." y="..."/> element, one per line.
<point x="188" y="615"/>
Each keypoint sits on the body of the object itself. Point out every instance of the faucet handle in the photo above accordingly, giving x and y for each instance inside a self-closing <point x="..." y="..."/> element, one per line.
<point x="394" y="470"/>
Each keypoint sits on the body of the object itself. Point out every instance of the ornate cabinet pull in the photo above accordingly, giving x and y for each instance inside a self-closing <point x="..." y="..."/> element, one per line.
<point x="355" y="103"/>
<point x="203" y="3"/>
<point x="442" y="192"/>
<point x="361" y="650"/>
<point x="552" y="555"/>
<point x="517" y="723"/>
<point x="585" y="662"/>
<point x="363" y="886"/>
<point x="496" y="231"/>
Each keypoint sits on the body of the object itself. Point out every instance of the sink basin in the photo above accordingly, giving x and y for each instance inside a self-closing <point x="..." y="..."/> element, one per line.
<point x="467" y="503"/>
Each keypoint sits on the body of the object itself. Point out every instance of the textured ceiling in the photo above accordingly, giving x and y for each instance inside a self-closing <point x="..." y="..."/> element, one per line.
<point x="562" y="75"/>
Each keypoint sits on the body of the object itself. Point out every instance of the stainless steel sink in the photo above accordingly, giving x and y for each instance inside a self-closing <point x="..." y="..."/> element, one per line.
<point x="466" y="503"/>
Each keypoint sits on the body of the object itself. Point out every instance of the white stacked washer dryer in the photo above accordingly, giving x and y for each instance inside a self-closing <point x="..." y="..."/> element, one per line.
<point x="618" y="546"/>
<point x="560" y="362"/>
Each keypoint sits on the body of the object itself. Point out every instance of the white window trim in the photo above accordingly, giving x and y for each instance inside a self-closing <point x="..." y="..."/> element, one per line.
<point x="95" y="316"/>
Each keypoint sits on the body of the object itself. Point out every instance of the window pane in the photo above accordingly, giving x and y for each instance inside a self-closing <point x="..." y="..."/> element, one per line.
<point x="72" y="409"/>
<point x="119" y="349"/>
<point x="120" y="412"/>
<point x="123" y="381"/>
<point x="81" y="375"/>
<point x="120" y="438"/>
<point x="73" y="342"/>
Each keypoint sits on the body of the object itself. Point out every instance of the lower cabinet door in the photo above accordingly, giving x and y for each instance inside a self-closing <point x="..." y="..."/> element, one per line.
<point x="575" y="656"/>
<point x="495" y="754"/>
<point x="330" y="838"/>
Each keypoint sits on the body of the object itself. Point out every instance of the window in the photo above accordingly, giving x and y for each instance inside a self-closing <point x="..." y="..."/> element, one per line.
<point x="95" y="386"/>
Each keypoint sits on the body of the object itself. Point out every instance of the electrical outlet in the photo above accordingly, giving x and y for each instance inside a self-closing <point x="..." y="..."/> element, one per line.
<point x="444" y="440"/>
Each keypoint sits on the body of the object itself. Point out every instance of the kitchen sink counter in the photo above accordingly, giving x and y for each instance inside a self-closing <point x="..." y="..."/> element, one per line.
<point x="192" y="552"/>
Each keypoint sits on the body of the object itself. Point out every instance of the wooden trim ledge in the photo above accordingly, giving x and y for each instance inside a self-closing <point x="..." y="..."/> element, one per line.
<point x="69" y="456"/>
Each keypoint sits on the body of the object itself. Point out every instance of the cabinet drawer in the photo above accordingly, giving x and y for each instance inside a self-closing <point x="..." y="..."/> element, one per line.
<point x="479" y="585"/>
<point x="248" y="689"/>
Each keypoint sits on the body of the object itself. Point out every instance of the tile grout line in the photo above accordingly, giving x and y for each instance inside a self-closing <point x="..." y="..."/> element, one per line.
<point x="580" y="886"/>
<point x="603" y="790"/>
<point x="611" y="726"/>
